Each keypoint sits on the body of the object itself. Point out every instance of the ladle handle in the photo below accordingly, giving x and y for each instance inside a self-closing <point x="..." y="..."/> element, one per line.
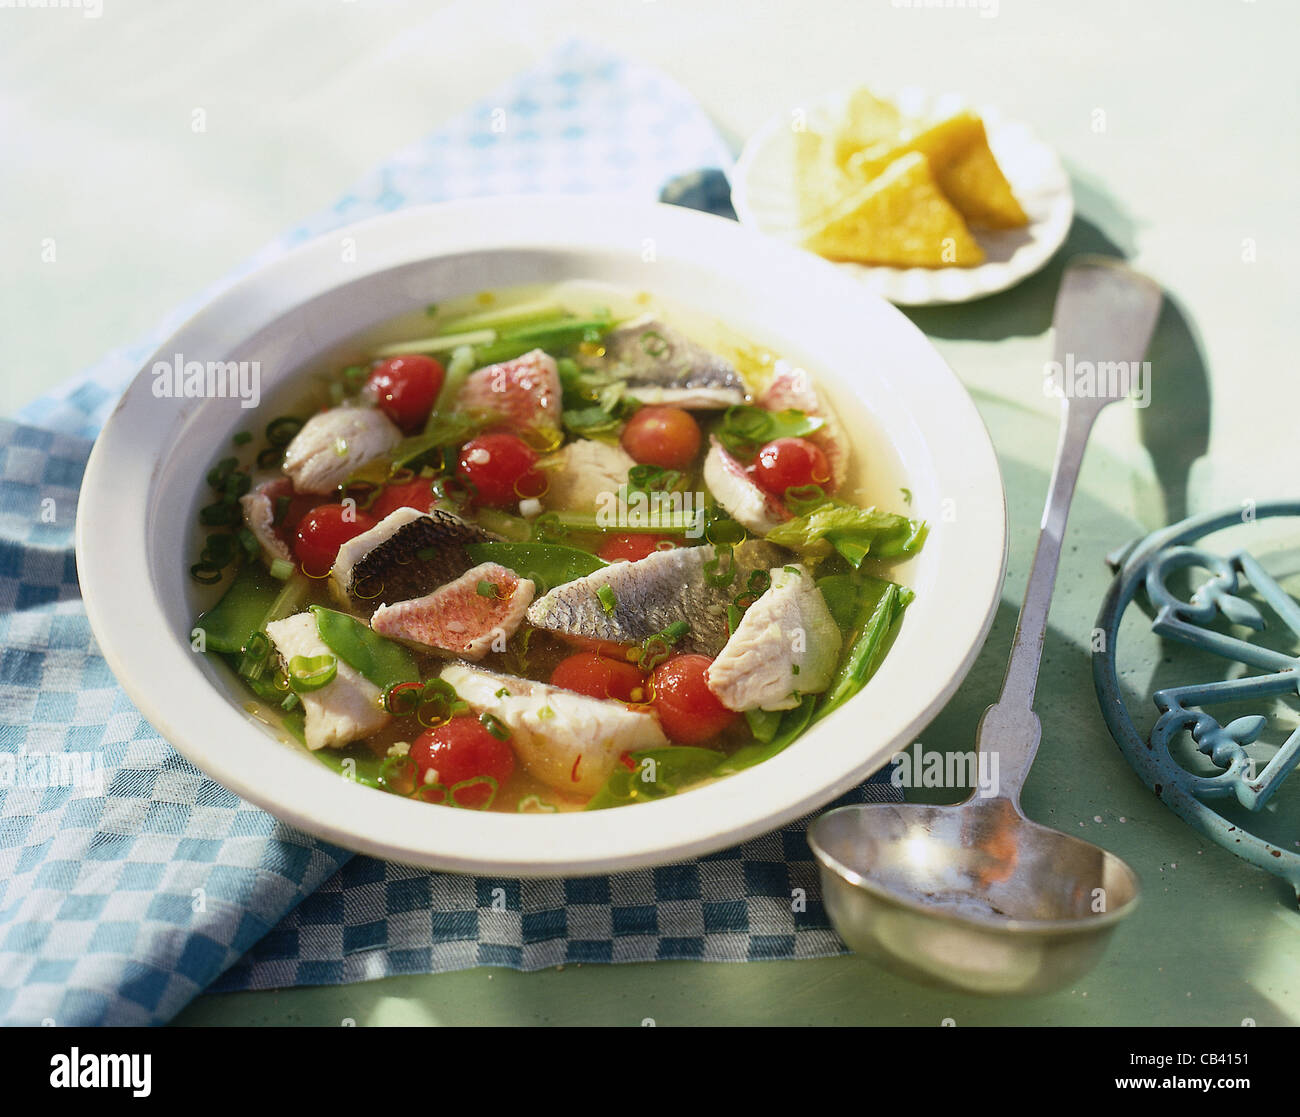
<point x="1104" y="318"/>
<point x="1010" y="725"/>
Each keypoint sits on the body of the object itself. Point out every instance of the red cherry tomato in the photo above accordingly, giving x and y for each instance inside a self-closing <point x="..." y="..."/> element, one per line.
<point x="417" y="494"/>
<point x="600" y="677"/>
<point x="462" y="749"/>
<point x="629" y="548"/>
<point x="688" y="710"/>
<point x="662" y="436"/>
<point x="406" y="387"/>
<point x="791" y="463"/>
<point x="323" y="531"/>
<point x="501" y="469"/>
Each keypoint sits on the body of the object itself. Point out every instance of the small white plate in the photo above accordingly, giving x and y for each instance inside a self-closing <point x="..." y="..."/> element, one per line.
<point x="762" y="191"/>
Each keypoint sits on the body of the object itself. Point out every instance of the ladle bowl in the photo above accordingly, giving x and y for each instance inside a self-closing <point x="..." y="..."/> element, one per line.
<point x="975" y="897"/>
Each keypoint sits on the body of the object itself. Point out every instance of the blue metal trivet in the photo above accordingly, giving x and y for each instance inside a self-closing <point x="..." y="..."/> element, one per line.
<point x="1147" y="565"/>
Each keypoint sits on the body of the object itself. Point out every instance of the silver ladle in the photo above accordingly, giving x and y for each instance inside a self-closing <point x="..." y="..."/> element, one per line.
<point x="976" y="896"/>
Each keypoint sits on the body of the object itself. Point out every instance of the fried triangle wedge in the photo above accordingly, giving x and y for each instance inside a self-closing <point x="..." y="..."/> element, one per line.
<point x="963" y="164"/>
<point x="900" y="218"/>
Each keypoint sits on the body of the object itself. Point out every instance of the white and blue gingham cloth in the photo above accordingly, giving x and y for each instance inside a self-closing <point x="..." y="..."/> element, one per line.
<point x="129" y="882"/>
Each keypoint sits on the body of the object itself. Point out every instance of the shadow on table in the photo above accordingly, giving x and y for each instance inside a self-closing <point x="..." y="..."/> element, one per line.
<point x="1175" y="427"/>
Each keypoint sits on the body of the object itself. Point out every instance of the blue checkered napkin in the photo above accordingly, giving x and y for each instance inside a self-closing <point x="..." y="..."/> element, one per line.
<point x="129" y="882"/>
<point x="756" y="901"/>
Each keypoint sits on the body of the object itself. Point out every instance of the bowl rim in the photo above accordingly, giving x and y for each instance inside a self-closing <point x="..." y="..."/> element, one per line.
<point x="175" y="695"/>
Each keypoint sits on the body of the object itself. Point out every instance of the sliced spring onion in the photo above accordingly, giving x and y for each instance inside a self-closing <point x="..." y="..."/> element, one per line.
<point x="495" y="726"/>
<point x="221" y="514"/>
<point x="282" y="569"/>
<point x="242" y="438"/>
<point x="488" y="589"/>
<point x="218" y="473"/>
<point x="308" y="673"/>
<point x="608" y="599"/>
<point x="657" y="648"/>
<point x="715" y="574"/>
<point x="257" y="655"/>
<point x="281" y="431"/>
<point x="403" y="699"/>
<point x="439" y="703"/>
<point x="653" y="478"/>
<point x="544" y="335"/>
<point x="505" y="317"/>
<point x="205" y="573"/>
<point x="804" y="498"/>
<point x="443" y="343"/>
<point x="459" y="367"/>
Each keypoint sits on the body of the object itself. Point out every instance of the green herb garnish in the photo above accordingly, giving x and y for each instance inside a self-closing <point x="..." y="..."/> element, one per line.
<point x="308" y="673"/>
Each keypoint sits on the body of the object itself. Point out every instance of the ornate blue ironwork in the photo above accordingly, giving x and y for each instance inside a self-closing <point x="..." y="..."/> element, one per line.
<point x="1148" y="565"/>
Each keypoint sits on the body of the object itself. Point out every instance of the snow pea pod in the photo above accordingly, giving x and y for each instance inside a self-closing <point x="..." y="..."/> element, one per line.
<point x="547" y="564"/>
<point x="381" y="661"/>
<point x="241" y="610"/>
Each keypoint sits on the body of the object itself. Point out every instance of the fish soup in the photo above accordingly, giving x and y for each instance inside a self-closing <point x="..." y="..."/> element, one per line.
<point x="549" y="549"/>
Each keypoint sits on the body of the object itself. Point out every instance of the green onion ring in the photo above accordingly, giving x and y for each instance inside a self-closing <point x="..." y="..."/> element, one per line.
<point x="308" y="673"/>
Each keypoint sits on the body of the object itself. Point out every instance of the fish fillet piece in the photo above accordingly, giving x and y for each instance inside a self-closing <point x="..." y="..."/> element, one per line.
<point x="408" y="554"/>
<point x="786" y="644"/>
<point x="792" y="387"/>
<point x="568" y="741"/>
<point x="259" y="515"/>
<point x="661" y="365"/>
<point x="583" y="471"/>
<point x="334" y="444"/>
<point x="651" y="593"/>
<point x="525" y="392"/>
<point x="346" y="708"/>
<point x="749" y="505"/>
<point x="356" y="548"/>
<point x="460" y="617"/>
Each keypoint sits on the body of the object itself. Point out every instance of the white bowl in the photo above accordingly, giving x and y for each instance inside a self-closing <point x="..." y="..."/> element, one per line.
<point x="762" y="191"/>
<point x="144" y="483"/>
